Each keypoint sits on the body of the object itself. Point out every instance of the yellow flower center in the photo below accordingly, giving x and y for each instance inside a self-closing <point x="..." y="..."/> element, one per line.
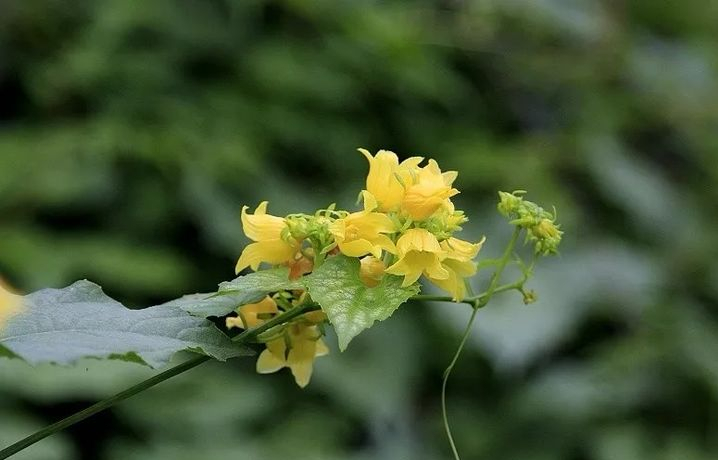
<point x="352" y="232"/>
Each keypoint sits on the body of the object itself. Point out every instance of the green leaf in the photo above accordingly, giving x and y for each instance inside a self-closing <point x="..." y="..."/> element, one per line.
<point x="272" y="280"/>
<point x="245" y="289"/>
<point x="350" y="305"/>
<point x="80" y="321"/>
<point x="213" y="303"/>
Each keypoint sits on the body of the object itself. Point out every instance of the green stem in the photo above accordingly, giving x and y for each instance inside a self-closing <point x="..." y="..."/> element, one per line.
<point x="438" y="298"/>
<point x="251" y="334"/>
<point x="478" y="302"/>
<point x="245" y="337"/>
<point x="494" y="284"/>
<point x="100" y="406"/>
<point x="470" y="300"/>
<point x="444" y="382"/>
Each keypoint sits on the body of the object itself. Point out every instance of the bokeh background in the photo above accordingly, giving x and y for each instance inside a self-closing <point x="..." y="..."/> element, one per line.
<point x="132" y="132"/>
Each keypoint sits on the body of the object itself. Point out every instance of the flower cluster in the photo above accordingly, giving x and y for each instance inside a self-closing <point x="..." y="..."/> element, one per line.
<point x="405" y="228"/>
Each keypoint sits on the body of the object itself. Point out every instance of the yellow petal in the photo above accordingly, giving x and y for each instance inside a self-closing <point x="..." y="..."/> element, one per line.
<point x="301" y="359"/>
<point x="428" y="192"/>
<point x="454" y="285"/>
<point x="460" y="249"/>
<point x="261" y="226"/>
<point x="338" y="229"/>
<point x="356" y="248"/>
<point x="273" y="252"/>
<point x="383" y="180"/>
<point x="251" y="313"/>
<point x="449" y="177"/>
<point x="233" y="322"/>
<point x="322" y="349"/>
<point x="385" y="243"/>
<point x="268" y="363"/>
<point x="302" y="372"/>
<point x="362" y="233"/>
<point x="409" y="267"/>
<point x="436" y="270"/>
<point x="302" y="349"/>
<point x="431" y="169"/>
<point x="418" y="239"/>
<point x="370" y="202"/>
<point x="463" y="268"/>
<point x="415" y="263"/>
<point x="411" y="163"/>
<point x="369" y="224"/>
<point x="278" y="347"/>
<point x="458" y="270"/>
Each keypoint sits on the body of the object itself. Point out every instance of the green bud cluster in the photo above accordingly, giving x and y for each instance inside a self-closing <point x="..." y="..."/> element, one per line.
<point x="540" y="225"/>
<point x="313" y="229"/>
<point x="444" y="223"/>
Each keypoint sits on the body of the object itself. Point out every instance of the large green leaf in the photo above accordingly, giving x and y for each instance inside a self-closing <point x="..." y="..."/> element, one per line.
<point x="350" y="305"/>
<point x="80" y="321"/>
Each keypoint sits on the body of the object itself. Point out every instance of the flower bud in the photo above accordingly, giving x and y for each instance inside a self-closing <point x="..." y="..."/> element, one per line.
<point x="445" y="222"/>
<point x="546" y="229"/>
<point x="371" y="271"/>
<point x="300" y="266"/>
<point x="509" y="203"/>
<point x="529" y="297"/>
<point x="297" y="227"/>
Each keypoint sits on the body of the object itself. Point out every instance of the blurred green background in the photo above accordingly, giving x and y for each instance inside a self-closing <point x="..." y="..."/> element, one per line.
<point x="132" y="132"/>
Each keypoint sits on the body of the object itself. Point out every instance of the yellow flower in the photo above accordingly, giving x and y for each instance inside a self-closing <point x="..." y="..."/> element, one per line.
<point x="10" y="304"/>
<point x="387" y="177"/>
<point x="459" y="265"/>
<point x="296" y="350"/>
<point x="302" y="335"/>
<point x="371" y="271"/>
<point x="251" y="313"/>
<point x="269" y="246"/>
<point x="419" y="253"/>
<point x="363" y="232"/>
<point x="429" y="190"/>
